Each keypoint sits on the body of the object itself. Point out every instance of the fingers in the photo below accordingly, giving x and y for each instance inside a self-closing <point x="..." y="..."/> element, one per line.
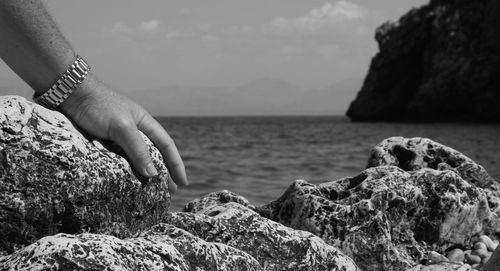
<point x="166" y="145"/>
<point x="131" y="141"/>
<point x="172" y="187"/>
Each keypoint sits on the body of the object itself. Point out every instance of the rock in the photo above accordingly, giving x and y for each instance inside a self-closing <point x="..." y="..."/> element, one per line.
<point x="472" y="259"/>
<point x="436" y="257"/>
<point x="275" y="246"/>
<point x="215" y="198"/>
<point x="415" y="153"/>
<point x="222" y="236"/>
<point x="55" y="179"/>
<point x="200" y="254"/>
<point x="442" y="267"/>
<point x="164" y="247"/>
<point x="93" y="252"/>
<point x="488" y="243"/>
<point x="494" y="246"/>
<point x="482" y="253"/>
<point x="480" y="246"/>
<point x="437" y="63"/>
<point x="455" y="255"/>
<point x="386" y="218"/>
<point x="493" y="263"/>
<point x="487" y="258"/>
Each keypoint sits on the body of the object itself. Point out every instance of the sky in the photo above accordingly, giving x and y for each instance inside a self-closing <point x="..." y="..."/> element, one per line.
<point x="141" y="45"/>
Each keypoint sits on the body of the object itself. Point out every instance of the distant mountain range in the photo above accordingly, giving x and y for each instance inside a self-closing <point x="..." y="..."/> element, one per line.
<point x="260" y="97"/>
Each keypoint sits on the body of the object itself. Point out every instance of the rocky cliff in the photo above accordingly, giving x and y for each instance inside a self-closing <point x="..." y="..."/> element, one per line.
<point x="437" y="63"/>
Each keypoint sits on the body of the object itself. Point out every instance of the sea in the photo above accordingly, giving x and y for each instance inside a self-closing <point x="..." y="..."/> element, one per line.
<point x="259" y="157"/>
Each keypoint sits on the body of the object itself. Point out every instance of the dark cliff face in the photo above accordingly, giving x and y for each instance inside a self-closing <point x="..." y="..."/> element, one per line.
<point x="440" y="62"/>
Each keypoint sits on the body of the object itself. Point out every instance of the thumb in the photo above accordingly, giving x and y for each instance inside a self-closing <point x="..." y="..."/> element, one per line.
<point x="129" y="138"/>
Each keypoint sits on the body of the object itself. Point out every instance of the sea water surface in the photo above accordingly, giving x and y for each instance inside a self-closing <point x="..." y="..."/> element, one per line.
<point x="259" y="157"/>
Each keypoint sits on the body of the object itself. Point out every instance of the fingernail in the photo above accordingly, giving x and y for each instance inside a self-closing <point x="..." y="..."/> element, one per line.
<point x="151" y="170"/>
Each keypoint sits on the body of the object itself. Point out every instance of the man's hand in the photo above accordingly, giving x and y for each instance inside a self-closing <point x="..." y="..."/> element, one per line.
<point x="32" y="45"/>
<point x="104" y="113"/>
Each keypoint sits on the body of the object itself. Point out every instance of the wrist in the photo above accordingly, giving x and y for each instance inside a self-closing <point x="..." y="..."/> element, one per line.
<point x="65" y="85"/>
<point x="49" y="72"/>
<point x="85" y="91"/>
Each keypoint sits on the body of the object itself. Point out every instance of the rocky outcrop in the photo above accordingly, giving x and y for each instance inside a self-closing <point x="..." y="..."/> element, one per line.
<point x="227" y="236"/>
<point x="416" y="153"/>
<point x="419" y="206"/>
<point x="216" y="198"/>
<point x="55" y="179"/>
<point x="163" y="247"/>
<point x="94" y="252"/>
<point x="437" y="63"/>
<point x="275" y="246"/>
<point x="443" y="267"/>
<point x="390" y="217"/>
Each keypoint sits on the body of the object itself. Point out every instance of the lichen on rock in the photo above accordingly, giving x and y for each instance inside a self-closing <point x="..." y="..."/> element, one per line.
<point x="216" y="198"/>
<point x="162" y="247"/>
<point x="418" y="206"/>
<point x="94" y="252"/>
<point x="387" y="218"/>
<point x="416" y="153"/>
<point x="225" y="237"/>
<point x="54" y="178"/>
<point x="275" y="246"/>
<point x="198" y="253"/>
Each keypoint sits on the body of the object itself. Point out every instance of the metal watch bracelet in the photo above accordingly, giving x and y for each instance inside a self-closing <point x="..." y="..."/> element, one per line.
<point x="65" y="85"/>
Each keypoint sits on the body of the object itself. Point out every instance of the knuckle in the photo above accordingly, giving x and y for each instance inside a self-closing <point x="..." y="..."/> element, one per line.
<point x="119" y="126"/>
<point x="167" y="144"/>
<point x="144" y="155"/>
<point x="122" y="123"/>
<point x="178" y="165"/>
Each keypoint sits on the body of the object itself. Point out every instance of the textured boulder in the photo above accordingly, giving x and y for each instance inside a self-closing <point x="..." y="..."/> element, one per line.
<point x="216" y="198"/>
<point x="388" y="219"/>
<point x="224" y="237"/>
<point x="163" y="247"/>
<point x="55" y="179"/>
<point x="94" y="252"/>
<point x="200" y="254"/>
<point x="437" y="63"/>
<point x="273" y="245"/>
<point x="416" y="153"/>
<point x="442" y="267"/>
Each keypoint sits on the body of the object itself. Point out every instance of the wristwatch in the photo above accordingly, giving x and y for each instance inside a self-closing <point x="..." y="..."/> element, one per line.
<point x="65" y="85"/>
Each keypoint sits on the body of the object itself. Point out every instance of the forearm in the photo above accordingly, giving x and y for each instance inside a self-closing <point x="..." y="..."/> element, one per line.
<point x="31" y="43"/>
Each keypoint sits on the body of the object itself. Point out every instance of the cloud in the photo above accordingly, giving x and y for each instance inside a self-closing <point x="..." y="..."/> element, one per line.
<point x="177" y="35"/>
<point x="331" y="31"/>
<point x="124" y="32"/>
<point x="211" y="41"/>
<point x="150" y="26"/>
<point x="328" y="32"/>
<point x="185" y="11"/>
<point x="317" y="19"/>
